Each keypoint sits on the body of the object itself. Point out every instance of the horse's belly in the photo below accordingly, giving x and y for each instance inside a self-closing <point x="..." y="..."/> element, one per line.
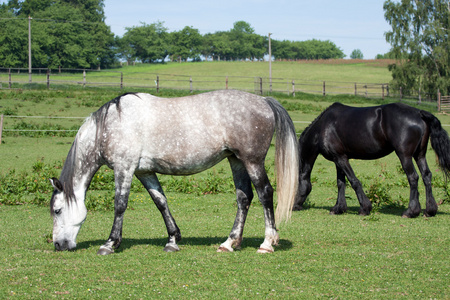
<point x="186" y="164"/>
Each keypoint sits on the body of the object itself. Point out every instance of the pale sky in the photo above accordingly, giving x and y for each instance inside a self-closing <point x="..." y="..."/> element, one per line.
<point x="352" y="24"/>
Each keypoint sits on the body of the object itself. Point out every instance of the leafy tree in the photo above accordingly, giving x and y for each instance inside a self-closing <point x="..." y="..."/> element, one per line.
<point x="69" y="34"/>
<point x="217" y="45"/>
<point x="13" y="40"/>
<point x="185" y="43"/>
<point x="147" y="43"/>
<point x="311" y="49"/>
<point x="420" y="41"/>
<point x="357" y="54"/>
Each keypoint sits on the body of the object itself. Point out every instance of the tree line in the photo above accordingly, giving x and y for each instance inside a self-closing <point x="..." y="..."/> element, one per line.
<point x="73" y="34"/>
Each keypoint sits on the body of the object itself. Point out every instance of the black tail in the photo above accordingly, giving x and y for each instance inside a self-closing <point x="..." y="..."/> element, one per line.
<point x="440" y="141"/>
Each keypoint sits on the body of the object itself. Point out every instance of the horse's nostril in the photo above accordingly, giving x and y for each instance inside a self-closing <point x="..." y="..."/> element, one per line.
<point x="57" y="246"/>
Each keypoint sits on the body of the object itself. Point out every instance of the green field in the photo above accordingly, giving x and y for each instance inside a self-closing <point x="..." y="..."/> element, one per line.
<point x="340" y="76"/>
<point x="381" y="256"/>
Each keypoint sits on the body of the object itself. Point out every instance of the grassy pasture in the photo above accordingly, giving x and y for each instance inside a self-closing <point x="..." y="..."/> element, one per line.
<point x="340" y="76"/>
<point x="381" y="256"/>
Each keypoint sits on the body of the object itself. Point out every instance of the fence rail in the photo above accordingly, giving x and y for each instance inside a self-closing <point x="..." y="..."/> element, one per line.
<point x="11" y="78"/>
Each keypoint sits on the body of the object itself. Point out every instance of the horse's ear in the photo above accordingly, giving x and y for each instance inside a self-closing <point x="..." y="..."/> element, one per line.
<point x="56" y="184"/>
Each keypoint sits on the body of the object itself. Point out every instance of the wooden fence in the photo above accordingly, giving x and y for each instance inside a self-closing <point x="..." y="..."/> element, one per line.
<point x="443" y="103"/>
<point x="13" y="78"/>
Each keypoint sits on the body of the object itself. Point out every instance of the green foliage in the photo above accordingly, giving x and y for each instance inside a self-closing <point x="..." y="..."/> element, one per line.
<point x="420" y="41"/>
<point x="147" y="43"/>
<point x="68" y="34"/>
<point x="185" y="44"/>
<point x="28" y="187"/>
<point x="357" y="54"/>
<point x="379" y="194"/>
<point x="311" y="49"/>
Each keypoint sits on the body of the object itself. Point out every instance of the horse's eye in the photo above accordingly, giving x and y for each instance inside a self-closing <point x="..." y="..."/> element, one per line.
<point x="57" y="211"/>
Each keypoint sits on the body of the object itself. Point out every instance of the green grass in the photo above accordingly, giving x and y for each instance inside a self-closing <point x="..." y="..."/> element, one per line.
<point x="381" y="256"/>
<point x="340" y="76"/>
<point x="319" y="256"/>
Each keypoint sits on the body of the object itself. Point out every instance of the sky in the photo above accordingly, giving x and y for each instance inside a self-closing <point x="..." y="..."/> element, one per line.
<point x="351" y="24"/>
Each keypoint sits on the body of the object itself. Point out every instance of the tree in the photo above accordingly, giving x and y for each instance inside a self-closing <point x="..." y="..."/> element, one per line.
<point x="420" y="42"/>
<point x="65" y="33"/>
<point x="311" y="49"/>
<point x="147" y="43"/>
<point x="357" y="54"/>
<point x="185" y="44"/>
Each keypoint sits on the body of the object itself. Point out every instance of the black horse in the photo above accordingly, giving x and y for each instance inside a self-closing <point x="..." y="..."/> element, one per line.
<point x="342" y="132"/>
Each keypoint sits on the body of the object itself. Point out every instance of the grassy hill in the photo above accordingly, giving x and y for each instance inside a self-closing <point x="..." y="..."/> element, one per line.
<point x="367" y="71"/>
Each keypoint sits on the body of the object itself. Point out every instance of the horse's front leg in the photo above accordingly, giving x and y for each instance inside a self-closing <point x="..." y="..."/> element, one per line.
<point x="151" y="183"/>
<point x="244" y="196"/>
<point x="264" y="189"/>
<point x="364" y="202"/>
<point x="123" y="184"/>
<point x="341" y="203"/>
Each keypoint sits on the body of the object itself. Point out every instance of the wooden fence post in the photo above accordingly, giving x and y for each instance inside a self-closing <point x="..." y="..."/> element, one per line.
<point x="1" y="128"/>
<point x="323" y="89"/>
<point x="260" y="85"/>
<point x="48" y="79"/>
<point x="190" y="82"/>
<point x="420" y="97"/>
<point x="84" y="78"/>
<point x="439" y="100"/>
<point x="293" y="88"/>
<point x="356" y="89"/>
<point x="226" y="83"/>
<point x="121" y="80"/>
<point x="9" y="75"/>
<point x="157" y="83"/>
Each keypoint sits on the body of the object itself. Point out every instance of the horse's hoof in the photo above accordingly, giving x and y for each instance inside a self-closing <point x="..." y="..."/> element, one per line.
<point x="407" y="214"/>
<point x="264" y="250"/>
<point x="170" y="248"/>
<point x="105" y="251"/>
<point x="297" y="208"/>
<point x="224" y="249"/>
<point x="428" y="214"/>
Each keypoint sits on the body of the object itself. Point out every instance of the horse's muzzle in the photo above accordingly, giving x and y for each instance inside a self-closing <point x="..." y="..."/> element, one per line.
<point x="63" y="245"/>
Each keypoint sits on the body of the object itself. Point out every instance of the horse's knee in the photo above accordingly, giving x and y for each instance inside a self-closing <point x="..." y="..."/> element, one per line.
<point x="243" y="198"/>
<point x="120" y="205"/>
<point x="266" y="195"/>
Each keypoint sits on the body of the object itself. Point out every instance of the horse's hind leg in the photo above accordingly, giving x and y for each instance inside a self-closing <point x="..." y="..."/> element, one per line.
<point x="413" y="179"/>
<point x="431" y="205"/>
<point x="151" y="183"/>
<point x="244" y="196"/>
<point x="264" y="189"/>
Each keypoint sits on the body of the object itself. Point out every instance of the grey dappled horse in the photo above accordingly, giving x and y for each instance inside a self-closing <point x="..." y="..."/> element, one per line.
<point x="140" y="134"/>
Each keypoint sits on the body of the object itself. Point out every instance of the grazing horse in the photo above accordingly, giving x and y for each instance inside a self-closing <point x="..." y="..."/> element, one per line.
<point x="342" y="132"/>
<point x="142" y="135"/>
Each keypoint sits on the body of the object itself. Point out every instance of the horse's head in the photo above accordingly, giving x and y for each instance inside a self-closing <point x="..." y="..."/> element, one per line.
<point x="68" y="216"/>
